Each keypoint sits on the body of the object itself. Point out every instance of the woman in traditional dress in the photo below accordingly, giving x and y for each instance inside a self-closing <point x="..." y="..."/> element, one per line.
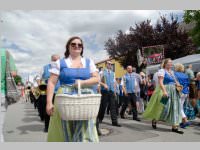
<point x="69" y="70"/>
<point x="184" y="81"/>
<point x="170" y="111"/>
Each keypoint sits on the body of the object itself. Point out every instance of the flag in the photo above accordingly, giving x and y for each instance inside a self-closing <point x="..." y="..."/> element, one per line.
<point x="139" y="57"/>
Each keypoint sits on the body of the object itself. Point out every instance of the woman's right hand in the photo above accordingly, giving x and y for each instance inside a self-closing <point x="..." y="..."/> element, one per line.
<point x="50" y="109"/>
<point x="106" y="86"/>
<point x="165" y="94"/>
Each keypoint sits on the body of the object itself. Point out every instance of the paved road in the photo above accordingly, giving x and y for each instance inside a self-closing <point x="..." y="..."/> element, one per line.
<point x="22" y="124"/>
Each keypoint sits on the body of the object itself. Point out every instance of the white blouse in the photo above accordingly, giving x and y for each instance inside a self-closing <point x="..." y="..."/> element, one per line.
<point x="161" y="73"/>
<point x="55" y="66"/>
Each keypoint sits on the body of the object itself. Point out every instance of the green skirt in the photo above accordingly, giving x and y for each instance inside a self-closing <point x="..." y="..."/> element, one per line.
<point x="170" y="112"/>
<point x="71" y="131"/>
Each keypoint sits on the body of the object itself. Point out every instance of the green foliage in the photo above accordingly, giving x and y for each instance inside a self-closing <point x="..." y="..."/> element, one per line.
<point x="193" y="16"/>
<point x="17" y="79"/>
<point x="166" y="32"/>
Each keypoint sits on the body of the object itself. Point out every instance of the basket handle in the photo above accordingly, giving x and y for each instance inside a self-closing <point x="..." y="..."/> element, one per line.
<point x="79" y="87"/>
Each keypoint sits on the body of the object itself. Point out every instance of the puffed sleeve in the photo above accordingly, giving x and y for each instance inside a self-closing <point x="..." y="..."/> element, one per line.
<point x="55" y="67"/>
<point x="161" y="73"/>
<point x="93" y="67"/>
<point x="123" y="81"/>
<point x="101" y="75"/>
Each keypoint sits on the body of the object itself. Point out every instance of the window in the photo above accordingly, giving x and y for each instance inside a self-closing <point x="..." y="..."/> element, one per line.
<point x="113" y="67"/>
<point x="100" y="69"/>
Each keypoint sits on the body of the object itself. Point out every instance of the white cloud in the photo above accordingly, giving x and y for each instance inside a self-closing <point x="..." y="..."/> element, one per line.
<point x="39" y="34"/>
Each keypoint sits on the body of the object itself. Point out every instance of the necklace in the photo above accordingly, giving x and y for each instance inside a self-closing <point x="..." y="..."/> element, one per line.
<point x="169" y="72"/>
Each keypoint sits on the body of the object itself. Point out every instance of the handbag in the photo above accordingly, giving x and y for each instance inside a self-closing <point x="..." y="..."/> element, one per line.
<point x="164" y="100"/>
<point x="178" y="86"/>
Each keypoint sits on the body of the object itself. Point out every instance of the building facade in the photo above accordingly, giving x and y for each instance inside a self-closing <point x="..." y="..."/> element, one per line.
<point x="116" y="67"/>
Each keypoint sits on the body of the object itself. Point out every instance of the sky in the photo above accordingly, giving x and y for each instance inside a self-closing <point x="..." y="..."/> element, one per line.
<point x="33" y="36"/>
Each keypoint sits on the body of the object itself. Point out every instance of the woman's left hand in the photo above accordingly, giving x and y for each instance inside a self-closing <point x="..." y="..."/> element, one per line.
<point x="76" y="83"/>
<point x="115" y="94"/>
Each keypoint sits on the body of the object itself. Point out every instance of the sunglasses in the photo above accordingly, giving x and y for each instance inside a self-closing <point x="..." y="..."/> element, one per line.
<point x="78" y="44"/>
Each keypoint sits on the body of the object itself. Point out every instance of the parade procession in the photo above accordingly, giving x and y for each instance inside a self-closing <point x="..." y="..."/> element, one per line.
<point x="142" y="85"/>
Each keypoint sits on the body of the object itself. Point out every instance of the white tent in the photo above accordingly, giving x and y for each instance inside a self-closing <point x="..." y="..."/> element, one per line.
<point x="190" y="59"/>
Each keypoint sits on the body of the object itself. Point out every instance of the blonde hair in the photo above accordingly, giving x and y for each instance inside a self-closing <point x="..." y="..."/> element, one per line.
<point x="179" y="67"/>
<point x="165" y="61"/>
<point x="198" y="75"/>
<point x="161" y="65"/>
<point x="142" y="73"/>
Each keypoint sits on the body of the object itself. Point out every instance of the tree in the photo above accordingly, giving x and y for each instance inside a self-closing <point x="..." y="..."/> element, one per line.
<point x="193" y="16"/>
<point x="176" y="41"/>
<point x="165" y="32"/>
<point x="17" y="79"/>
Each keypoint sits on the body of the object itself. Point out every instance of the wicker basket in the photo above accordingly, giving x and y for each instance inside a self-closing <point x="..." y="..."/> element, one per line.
<point x="79" y="106"/>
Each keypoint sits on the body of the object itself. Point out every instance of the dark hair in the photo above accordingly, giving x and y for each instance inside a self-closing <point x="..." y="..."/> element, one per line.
<point x="150" y="76"/>
<point x="128" y="66"/>
<point x="68" y="44"/>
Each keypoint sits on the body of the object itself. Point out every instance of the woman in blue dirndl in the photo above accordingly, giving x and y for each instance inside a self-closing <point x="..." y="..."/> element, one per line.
<point x="168" y="110"/>
<point x="69" y="70"/>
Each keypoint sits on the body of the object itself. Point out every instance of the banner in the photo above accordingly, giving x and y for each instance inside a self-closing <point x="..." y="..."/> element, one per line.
<point x="153" y="54"/>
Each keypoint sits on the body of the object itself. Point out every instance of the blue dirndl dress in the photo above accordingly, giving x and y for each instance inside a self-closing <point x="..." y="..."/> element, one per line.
<point x="72" y="131"/>
<point x="171" y="111"/>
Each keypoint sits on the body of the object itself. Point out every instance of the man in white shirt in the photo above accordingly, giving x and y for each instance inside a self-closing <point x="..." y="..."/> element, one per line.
<point x="130" y="83"/>
<point x="108" y="94"/>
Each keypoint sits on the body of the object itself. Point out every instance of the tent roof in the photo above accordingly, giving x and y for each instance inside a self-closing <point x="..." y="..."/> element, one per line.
<point x="190" y="59"/>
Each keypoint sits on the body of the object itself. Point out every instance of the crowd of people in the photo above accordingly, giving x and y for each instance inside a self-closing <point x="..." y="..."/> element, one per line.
<point x="172" y="94"/>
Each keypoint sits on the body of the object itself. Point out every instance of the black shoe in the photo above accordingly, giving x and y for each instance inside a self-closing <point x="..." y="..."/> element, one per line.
<point x="45" y="130"/>
<point x="116" y="124"/>
<point x="123" y="117"/>
<point x="154" y="124"/>
<point x="177" y="131"/>
<point x="99" y="132"/>
<point x="136" y="119"/>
